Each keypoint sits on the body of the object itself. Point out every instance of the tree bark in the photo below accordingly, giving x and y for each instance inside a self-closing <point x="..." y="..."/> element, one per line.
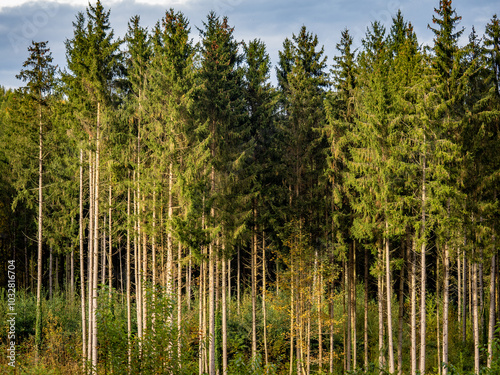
<point x="224" y="314"/>
<point x="446" y="292"/>
<point x="413" y="302"/>
<point x="401" y="307"/>
<point x="254" y="286"/>
<point x="491" y="321"/>
<point x="475" y="317"/>
<point x="423" y="274"/>
<point x="82" y="266"/>
<point x="264" y="311"/>
<point x="366" y="310"/>
<point x="38" y="327"/>
<point x="96" y="245"/>
<point x="129" y="305"/>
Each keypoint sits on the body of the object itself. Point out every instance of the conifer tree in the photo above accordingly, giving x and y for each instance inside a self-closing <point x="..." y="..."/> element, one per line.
<point x="39" y="76"/>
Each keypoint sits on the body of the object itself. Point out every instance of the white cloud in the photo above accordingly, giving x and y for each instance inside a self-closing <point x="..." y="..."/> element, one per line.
<point x="83" y="3"/>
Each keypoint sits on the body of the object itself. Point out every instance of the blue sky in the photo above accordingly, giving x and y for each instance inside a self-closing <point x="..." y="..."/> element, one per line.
<point x="271" y="21"/>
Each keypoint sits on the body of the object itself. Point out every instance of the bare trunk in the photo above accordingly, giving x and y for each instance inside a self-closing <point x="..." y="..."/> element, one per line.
<point x="366" y="310"/>
<point x="110" y="244"/>
<point x="224" y="314"/>
<point x="292" y="315"/>
<point x="400" y="309"/>
<point x="90" y="268"/>
<point x="353" y="306"/>
<point x="179" y="301"/>
<point x="82" y="266"/>
<point x="464" y="303"/>
<point x="96" y="245"/>
<point x="381" y="357"/>
<point x="446" y="292"/>
<point x="491" y="321"/>
<point x="413" y="302"/>
<point x="50" y="272"/>
<point x="347" y="291"/>
<point x="38" y="334"/>
<point x="238" y="282"/>
<point x="264" y="312"/>
<point x="129" y="306"/>
<point x="475" y="317"/>
<point x="423" y="274"/>
<point x="254" y="288"/>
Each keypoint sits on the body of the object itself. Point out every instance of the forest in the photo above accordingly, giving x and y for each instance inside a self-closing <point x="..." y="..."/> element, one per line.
<point x="166" y="209"/>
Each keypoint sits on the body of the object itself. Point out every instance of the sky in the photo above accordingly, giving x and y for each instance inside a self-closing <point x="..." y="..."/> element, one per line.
<point x="22" y="21"/>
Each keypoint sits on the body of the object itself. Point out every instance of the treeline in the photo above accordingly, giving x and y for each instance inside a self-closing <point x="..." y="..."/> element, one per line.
<point x="165" y="182"/>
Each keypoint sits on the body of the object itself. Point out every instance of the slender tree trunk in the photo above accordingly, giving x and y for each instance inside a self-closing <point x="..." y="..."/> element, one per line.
<point x="401" y="307"/>
<point x="388" y="288"/>
<point x="423" y="278"/>
<point x="51" y="276"/>
<point x="331" y="316"/>
<point x="292" y="314"/>
<point x="144" y="273"/>
<point x="179" y="301"/>
<point x="320" y="318"/>
<point x="459" y="284"/>
<point x="491" y="321"/>
<point x="438" y="317"/>
<point x="238" y="283"/>
<point x="381" y="357"/>
<point x="475" y="318"/>
<point x="446" y="292"/>
<point x="38" y="327"/>
<point x="96" y="245"/>
<point x="188" y="286"/>
<point x="366" y="310"/>
<point x="224" y="313"/>
<point x="464" y="304"/>
<point x="353" y="306"/>
<point x="82" y="266"/>
<point x="110" y="243"/>
<point x="254" y="288"/>
<point x="169" y="233"/>
<point x="347" y="292"/>
<point x="129" y="305"/>
<point x="413" y="302"/>
<point x="211" y="286"/>
<point x="90" y="268"/>
<point x="264" y="311"/>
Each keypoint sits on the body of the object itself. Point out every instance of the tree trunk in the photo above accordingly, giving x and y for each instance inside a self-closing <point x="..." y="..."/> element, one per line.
<point x="129" y="305"/>
<point x="96" y="245"/>
<point x="465" y="302"/>
<point x="353" y="307"/>
<point x="347" y="291"/>
<point x="475" y="317"/>
<point x="491" y="321"/>
<point x="264" y="311"/>
<point x="423" y="279"/>
<point x="381" y="357"/>
<point x="413" y="302"/>
<point x="254" y="287"/>
<point x="401" y="307"/>
<point x="224" y="314"/>
<point x="446" y="292"/>
<point x="238" y="282"/>
<point x="179" y="301"/>
<point x="110" y="244"/>
<point x="38" y="327"/>
<point x="292" y="314"/>
<point x="438" y="317"/>
<point x="90" y="268"/>
<point x="366" y="310"/>
<point x="82" y="266"/>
